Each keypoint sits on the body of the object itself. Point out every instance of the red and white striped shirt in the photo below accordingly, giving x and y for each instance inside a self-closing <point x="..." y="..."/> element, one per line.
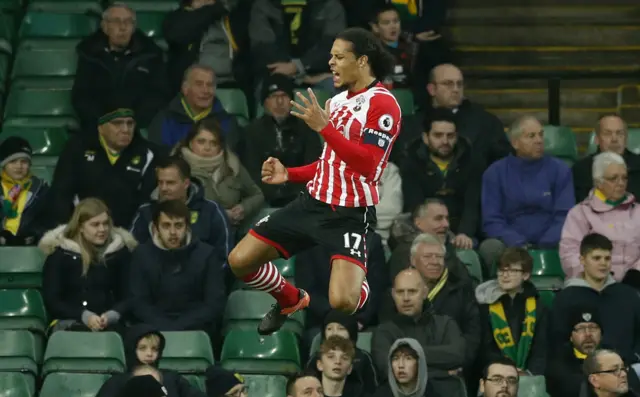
<point x="370" y="122"/>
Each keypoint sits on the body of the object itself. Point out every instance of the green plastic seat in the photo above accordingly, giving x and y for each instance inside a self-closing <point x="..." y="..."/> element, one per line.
<point x="72" y="385"/>
<point x="364" y="342"/>
<point x="44" y="161"/>
<point x="287" y="267"/>
<point x="153" y="5"/>
<point x="266" y="385"/>
<point x="43" y="167"/>
<point x="19" y="351"/>
<point x="4" y="68"/>
<point x="46" y="142"/>
<point x="47" y="103"/>
<point x="246" y="308"/>
<point x="247" y="352"/>
<point x="321" y="95"/>
<point x="560" y="141"/>
<point x="89" y="7"/>
<point x="546" y="263"/>
<point x="45" y="58"/>
<point x="84" y="352"/>
<point x="199" y="382"/>
<point x="56" y="25"/>
<point x="21" y="267"/>
<point x="187" y="352"/>
<point x="66" y="123"/>
<point x="9" y="5"/>
<point x="472" y="260"/>
<point x="234" y="101"/>
<point x="43" y="83"/>
<point x="547" y="297"/>
<point x="14" y="384"/>
<point x="150" y="23"/>
<point x="405" y="100"/>
<point x="22" y="309"/>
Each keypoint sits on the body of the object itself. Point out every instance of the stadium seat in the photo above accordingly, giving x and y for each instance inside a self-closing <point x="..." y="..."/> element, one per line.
<point x="19" y="352"/>
<point x="22" y="309"/>
<point x="87" y="352"/>
<point x="196" y="381"/>
<point x="43" y="167"/>
<point x="472" y="260"/>
<point x="45" y="58"/>
<point x="21" y="267"/>
<point x="245" y="309"/>
<point x="405" y="100"/>
<point x="364" y="342"/>
<point x="34" y="103"/>
<point x="4" y="69"/>
<point x="57" y="25"/>
<point x="90" y="7"/>
<point x="152" y="5"/>
<point x="560" y="141"/>
<point x="547" y="297"/>
<point x="234" y="102"/>
<point x="266" y="385"/>
<point x="287" y="267"/>
<point x="72" y="385"/>
<point x="44" y="141"/>
<point x="546" y="263"/>
<point x="247" y="352"/>
<point x="150" y="23"/>
<point x="14" y="384"/>
<point x="187" y="352"/>
<point x="65" y="123"/>
<point x="321" y="95"/>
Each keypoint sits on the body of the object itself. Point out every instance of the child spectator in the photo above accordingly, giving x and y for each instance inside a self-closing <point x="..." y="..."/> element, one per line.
<point x="335" y="363"/>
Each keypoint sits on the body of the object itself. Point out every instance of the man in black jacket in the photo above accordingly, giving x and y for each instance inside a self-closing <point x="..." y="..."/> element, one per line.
<point x="119" y="59"/>
<point x="177" y="282"/>
<point x="611" y="136"/>
<point x="443" y="165"/>
<point x="278" y="134"/>
<point x="115" y="165"/>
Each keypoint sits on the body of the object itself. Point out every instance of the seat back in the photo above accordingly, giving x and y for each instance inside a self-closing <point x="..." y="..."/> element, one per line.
<point x="150" y="23"/>
<point x="72" y="385"/>
<point x="14" y="384"/>
<point x="24" y="102"/>
<point x="199" y="382"/>
<point x="560" y="141"/>
<point x="405" y="100"/>
<point x="472" y="260"/>
<point x="84" y="352"/>
<point x="187" y="352"/>
<point x="234" y="102"/>
<point x="19" y="351"/>
<point x="47" y="24"/>
<point x="245" y="309"/>
<point x="266" y="385"/>
<point x="21" y="267"/>
<point x="48" y="141"/>
<point x="247" y="352"/>
<point x="633" y="141"/>
<point x="546" y="263"/>
<point x="22" y="309"/>
<point x="45" y="58"/>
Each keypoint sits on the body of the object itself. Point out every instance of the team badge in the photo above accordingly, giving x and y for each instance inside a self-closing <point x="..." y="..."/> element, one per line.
<point x="586" y="317"/>
<point x="90" y="155"/>
<point x="194" y="217"/>
<point x="135" y="160"/>
<point x="385" y="122"/>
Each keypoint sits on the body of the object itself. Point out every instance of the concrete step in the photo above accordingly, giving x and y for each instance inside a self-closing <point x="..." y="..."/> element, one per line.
<point x="575" y="35"/>
<point x="537" y="98"/>
<point x="568" y="116"/>
<point x="540" y="14"/>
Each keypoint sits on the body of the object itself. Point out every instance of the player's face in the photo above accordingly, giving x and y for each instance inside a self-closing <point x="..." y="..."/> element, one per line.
<point x="343" y="64"/>
<point x="441" y="139"/>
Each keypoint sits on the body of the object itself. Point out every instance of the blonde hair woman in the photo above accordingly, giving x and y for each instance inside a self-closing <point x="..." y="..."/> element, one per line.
<point x="86" y="270"/>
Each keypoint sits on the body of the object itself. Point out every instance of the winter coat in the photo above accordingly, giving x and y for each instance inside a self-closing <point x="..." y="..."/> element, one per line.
<point x="620" y="224"/>
<point x="33" y="220"/>
<point x="583" y="174"/>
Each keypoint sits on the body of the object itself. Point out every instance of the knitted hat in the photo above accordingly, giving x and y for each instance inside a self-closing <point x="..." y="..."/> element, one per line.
<point x="583" y="314"/>
<point x="14" y="148"/>
<point x="347" y="321"/>
<point x="116" y="107"/>
<point x="275" y="83"/>
<point x="220" y="381"/>
<point x="142" y="386"/>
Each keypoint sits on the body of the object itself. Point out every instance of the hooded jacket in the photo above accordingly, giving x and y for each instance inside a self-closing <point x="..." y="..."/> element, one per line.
<point x="441" y="340"/>
<point x="176" y="385"/>
<point x="67" y="294"/>
<point x="619" y="309"/>
<point x="583" y="174"/>
<point x="209" y="221"/>
<point x="391" y="388"/>
<point x="33" y="217"/>
<point x="171" y="124"/>
<point x="620" y="224"/>
<point x="490" y="292"/>
<point x="526" y="201"/>
<point x="137" y="72"/>
<point x="177" y="290"/>
<point x="459" y="187"/>
<point x="363" y="377"/>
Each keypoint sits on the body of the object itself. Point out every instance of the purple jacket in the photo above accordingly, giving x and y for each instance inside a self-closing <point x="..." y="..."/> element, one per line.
<point x="621" y="224"/>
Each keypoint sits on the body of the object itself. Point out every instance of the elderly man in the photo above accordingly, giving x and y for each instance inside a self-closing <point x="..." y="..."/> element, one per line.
<point x="438" y="335"/>
<point x="118" y="58"/>
<point x="608" y="376"/>
<point x="449" y="293"/>
<point x="115" y="165"/>
<point x="195" y="102"/>
<point x="526" y="196"/>
<point x="611" y="136"/>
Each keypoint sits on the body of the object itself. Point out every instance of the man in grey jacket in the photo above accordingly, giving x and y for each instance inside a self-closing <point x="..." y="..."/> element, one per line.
<point x="438" y="335"/>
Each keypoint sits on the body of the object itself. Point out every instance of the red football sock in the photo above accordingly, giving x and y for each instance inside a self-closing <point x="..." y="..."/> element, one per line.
<point x="269" y="279"/>
<point x="364" y="295"/>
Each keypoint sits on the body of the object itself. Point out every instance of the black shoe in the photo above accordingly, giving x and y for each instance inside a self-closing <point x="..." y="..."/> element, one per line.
<point x="275" y="318"/>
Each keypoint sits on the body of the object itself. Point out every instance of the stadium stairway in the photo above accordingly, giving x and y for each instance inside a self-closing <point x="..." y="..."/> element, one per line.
<point x="550" y="35"/>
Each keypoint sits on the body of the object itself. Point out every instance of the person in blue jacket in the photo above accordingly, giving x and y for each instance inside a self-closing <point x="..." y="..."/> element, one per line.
<point x="526" y="196"/>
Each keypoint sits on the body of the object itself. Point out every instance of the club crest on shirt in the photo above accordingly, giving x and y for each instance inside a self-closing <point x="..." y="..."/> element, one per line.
<point x="135" y="160"/>
<point x="90" y="155"/>
<point x="359" y="102"/>
<point x="385" y="122"/>
<point x="194" y="217"/>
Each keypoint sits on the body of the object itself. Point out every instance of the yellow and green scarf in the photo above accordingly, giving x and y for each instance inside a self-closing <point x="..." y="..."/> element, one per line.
<point x="192" y="115"/>
<point x="438" y="287"/>
<point x="502" y="331"/>
<point x="12" y="189"/>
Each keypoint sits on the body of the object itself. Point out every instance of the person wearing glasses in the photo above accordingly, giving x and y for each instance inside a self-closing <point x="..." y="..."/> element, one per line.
<point x="513" y="317"/>
<point x="609" y="210"/>
<point x="608" y="376"/>
<point x="223" y="383"/>
<point x="500" y="379"/>
<point x="564" y="370"/>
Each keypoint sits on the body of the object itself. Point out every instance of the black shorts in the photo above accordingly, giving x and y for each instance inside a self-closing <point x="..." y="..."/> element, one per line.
<point x="306" y="222"/>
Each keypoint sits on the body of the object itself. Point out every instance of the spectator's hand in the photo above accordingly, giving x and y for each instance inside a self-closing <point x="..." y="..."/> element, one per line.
<point x="286" y="68"/>
<point x="310" y="111"/>
<point x="29" y="240"/>
<point x="273" y="172"/>
<point x="428" y="36"/>
<point x="95" y="323"/>
<point x="455" y="372"/>
<point x="238" y="212"/>
<point x="200" y="3"/>
<point x="313" y="80"/>
<point x="104" y="320"/>
<point x="463" y="242"/>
